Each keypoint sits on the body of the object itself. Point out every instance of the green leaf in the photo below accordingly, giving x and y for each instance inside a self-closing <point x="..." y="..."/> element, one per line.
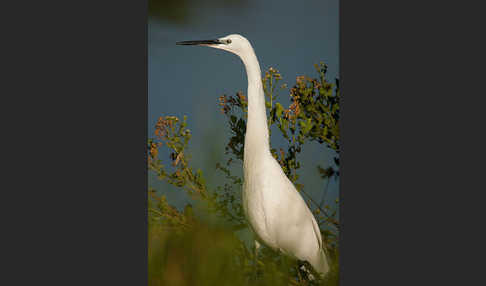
<point x="279" y="109"/>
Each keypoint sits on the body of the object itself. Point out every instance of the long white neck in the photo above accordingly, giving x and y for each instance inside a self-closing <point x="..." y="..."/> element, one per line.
<point x="256" y="138"/>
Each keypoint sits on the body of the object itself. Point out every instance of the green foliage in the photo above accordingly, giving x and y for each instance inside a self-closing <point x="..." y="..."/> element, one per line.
<point x="312" y="116"/>
<point x="203" y="245"/>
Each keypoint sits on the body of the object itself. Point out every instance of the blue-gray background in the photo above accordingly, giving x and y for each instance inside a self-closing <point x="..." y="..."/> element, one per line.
<point x="290" y="36"/>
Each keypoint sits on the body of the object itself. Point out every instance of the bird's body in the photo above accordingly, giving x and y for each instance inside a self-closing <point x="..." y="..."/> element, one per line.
<point x="278" y="215"/>
<point x="275" y="210"/>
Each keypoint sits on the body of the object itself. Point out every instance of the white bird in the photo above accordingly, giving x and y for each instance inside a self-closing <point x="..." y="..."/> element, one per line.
<point x="275" y="210"/>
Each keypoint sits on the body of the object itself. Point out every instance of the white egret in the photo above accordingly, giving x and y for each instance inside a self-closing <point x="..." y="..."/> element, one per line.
<point x="275" y="210"/>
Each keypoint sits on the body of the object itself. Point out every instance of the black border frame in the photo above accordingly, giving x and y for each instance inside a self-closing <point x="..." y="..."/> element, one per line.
<point x="74" y="217"/>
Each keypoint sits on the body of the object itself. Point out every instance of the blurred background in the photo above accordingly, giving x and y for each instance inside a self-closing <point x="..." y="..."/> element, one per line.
<point x="290" y="36"/>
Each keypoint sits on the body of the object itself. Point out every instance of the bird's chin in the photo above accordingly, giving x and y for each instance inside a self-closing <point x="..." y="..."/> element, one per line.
<point x="223" y="47"/>
<point x="211" y="46"/>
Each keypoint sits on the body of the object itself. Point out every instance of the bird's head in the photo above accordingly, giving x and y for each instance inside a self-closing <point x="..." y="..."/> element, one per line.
<point x="234" y="43"/>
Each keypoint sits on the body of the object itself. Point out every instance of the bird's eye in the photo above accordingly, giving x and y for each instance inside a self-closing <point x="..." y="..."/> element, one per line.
<point x="228" y="41"/>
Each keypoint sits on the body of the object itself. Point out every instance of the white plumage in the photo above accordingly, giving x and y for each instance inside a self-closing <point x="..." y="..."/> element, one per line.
<point x="275" y="210"/>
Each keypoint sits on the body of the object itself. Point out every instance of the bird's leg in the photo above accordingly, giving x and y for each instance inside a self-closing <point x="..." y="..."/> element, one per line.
<point x="303" y="267"/>
<point x="298" y="273"/>
<point x="257" y="247"/>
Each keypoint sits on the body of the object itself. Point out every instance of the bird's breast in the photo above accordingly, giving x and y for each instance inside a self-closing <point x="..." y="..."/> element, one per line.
<point x="260" y="201"/>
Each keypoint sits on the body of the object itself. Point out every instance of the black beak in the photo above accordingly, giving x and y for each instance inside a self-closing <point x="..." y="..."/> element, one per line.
<point x="203" y="42"/>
